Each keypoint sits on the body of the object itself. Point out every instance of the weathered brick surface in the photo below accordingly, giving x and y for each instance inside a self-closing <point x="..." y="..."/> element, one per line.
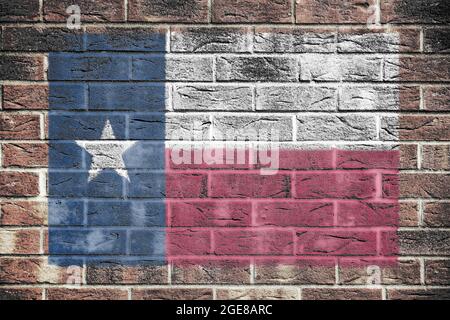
<point x="92" y="11"/>
<point x="272" y="11"/>
<point x="19" y="11"/>
<point x="191" y="11"/>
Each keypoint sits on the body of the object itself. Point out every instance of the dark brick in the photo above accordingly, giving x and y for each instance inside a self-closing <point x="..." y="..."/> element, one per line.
<point x="19" y="10"/>
<point x="437" y="272"/>
<point x="91" y="10"/>
<point x="437" y="214"/>
<point x="21" y="67"/>
<point x="190" y="11"/>
<point x="270" y="11"/>
<point x="437" y="40"/>
<point x="341" y="294"/>
<point x="20" y="293"/>
<point x="172" y="294"/>
<point x="418" y="294"/>
<point x="415" y="11"/>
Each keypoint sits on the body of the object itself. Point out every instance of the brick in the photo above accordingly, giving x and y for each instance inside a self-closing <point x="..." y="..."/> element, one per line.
<point x="412" y="127"/>
<point x="341" y="294"/>
<point x="294" y="271"/>
<point x="251" y="127"/>
<point x="91" y="10"/>
<point x="17" y="126"/>
<point x="436" y="98"/>
<point x="418" y="294"/>
<point x="25" y="97"/>
<point x="437" y="40"/>
<point x="19" y="184"/>
<point x="21" y="67"/>
<point x="115" y="272"/>
<point x="436" y="157"/>
<point x="417" y="68"/>
<point x="147" y="242"/>
<point x="172" y="294"/>
<point x="230" y="185"/>
<point x="332" y="127"/>
<point x="437" y="214"/>
<point x="408" y="214"/>
<point x="23" y="213"/>
<point x="333" y="11"/>
<point x="191" y="11"/>
<point x="299" y="40"/>
<point x="172" y="68"/>
<point x="333" y="67"/>
<point x="389" y="98"/>
<point x="367" y="159"/>
<point x="65" y="155"/>
<point x="179" y="185"/>
<point x="257" y="294"/>
<point x="208" y="97"/>
<point x="210" y="214"/>
<point x="42" y="39"/>
<point x="269" y="11"/>
<point x="19" y="11"/>
<point x="88" y="66"/>
<point x="86" y="294"/>
<point x="424" y="242"/>
<point x="25" y="155"/>
<point x="207" y="272"/>
<point x="126" y="39"/>
<point x="182" y="242"/>
<point x="293" y="213"/>
<point x="210" y="39"/>
<point x="335" y="242"/>
<point x="65" y="213"/>
<point x="436" y="272"/>
<point x="298" y="159"/>
<point x="85" y="127"/>
<point x="20" y="293"/>
<point x="424" y="185"/>
<point x="282" y="69"/>
<point x="296" y="98"/>
<point x="408" y="156"/>
<point x="24" y="241"/>
<point x="367" y="214"/>
<point x="253" y="242"/>
<point x="360" y="272"/>
<point x="414" y="11"/>
<point x="364" y="40"/>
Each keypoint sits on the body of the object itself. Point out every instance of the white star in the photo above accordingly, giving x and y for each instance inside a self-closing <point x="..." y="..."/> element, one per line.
<point x="107" y="155"/>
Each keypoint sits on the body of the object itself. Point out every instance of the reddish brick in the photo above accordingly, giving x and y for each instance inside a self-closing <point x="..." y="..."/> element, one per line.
<point x="341" y="294"/>
<point x="180" y="185"/>
<point x="18" y="126"/>
<point x="424" y="185"/>
<point x="19" y="11"/>
<point x="354" y="185"/>
<point x="270" y="11"/>
<point x="99" y="272"/>
<point x="417" y="68"/>
<point x="21" y="67"/>
<point x="25" y="97"/>
<point x="425" y="128"/>
<point x="205" y="271"/>
<point x="408" y="215"/>
<point x="317" y="242"/>
<point x="294" y="213"/>
<point x="295" y="271"/>
<point x="190" y="11"/>
<point x="437" y="98"/>
<point x="334" y="11"/>
<point x="436" y="272"/>
<point x="367" y="214"/>
<point x="91" y="10"/>
<point x="408" y="156"/>
<point x="436" y="157"/>
<point x="182" y="242"/>
<point x="367" y="159"/>
<point x="392" y="272"/>
<point x="19" y="241"/>
<point x="437" y="214"/>
<point x="418" y="294"/>
<point x="86" y="294"/>
<point x="253" y="242"/>
<point x="23" y="213"/>
<point x="258" y="294"/>
<point x="245" y="185"/>
<point x="25" y="155"/>
<point x="19" y="184"/>
<point x="20" y="293"/>
<point x="210" y="214"/>
<point x="303" y="159"/>
<point x="172" y="294"/>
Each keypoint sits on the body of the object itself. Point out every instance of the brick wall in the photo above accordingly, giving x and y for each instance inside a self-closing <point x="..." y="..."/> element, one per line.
<point x="362" y="112"/>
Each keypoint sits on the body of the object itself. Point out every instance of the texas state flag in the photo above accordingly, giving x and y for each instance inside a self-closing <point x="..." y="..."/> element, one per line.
<point x="149" y="164"/>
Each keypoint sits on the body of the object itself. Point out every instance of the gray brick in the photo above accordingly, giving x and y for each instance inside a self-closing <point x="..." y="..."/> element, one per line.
<point x="336" y="127"/>
<point x="251" y="127"/>
<point x="296" y="98"/>
<point x="424" y="242"/>
<point x="189" y="68"/>
<point x="256" y="69"/>
<point x="369" y="98"/>
<point x="369" y="41"/>
<point x="208" y="97"/>
<point x="389" y="128"/>
<point x="105" y="155"/>
<point x="437" y="40"/>
<point x="215" y="39"/>
<point x="322" y="67"/>
<point x="294" y="40"/>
